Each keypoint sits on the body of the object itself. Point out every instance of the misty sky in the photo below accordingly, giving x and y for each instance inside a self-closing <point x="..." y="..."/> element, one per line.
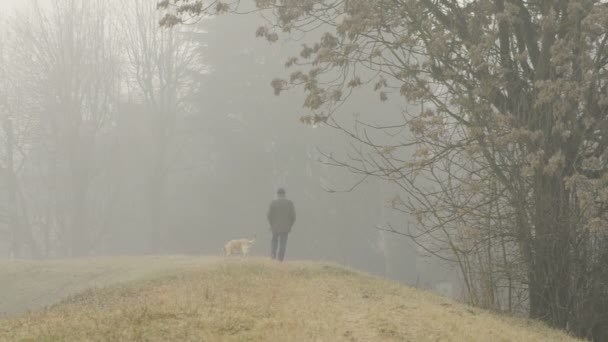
<point x="6" y="5"/>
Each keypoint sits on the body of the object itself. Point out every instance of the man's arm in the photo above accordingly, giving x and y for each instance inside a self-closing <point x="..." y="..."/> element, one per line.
<point x="270" y="213"/>
<point x="292" y="214"/>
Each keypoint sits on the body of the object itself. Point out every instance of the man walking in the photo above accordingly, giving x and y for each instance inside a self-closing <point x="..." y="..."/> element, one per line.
<point x="281" y="216"/>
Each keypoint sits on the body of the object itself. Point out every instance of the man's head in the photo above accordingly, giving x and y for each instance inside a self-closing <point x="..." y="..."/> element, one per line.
<point x="281" y="193"/>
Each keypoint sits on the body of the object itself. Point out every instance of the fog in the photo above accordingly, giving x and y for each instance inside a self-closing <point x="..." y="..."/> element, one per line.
<point x="124" y="138"/>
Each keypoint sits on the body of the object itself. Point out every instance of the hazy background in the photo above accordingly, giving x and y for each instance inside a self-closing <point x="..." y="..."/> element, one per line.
<point x="132" y="140"/>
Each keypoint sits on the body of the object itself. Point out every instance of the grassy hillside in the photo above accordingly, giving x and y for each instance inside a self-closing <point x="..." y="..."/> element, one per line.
<point x="26" y="285"/>
<point x="200" y="299"/>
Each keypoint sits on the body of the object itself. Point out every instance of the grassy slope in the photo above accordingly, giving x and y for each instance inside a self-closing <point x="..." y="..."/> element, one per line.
<point x="26" y="285"/>
<point x="200" y="299"/>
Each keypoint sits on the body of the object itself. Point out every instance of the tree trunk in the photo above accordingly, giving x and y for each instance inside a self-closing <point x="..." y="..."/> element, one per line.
<point x="155" y="191"/>
<point x="78" y="184"/>
<point x="549" y="281"/>
<point x="78" y="229"/>
<point x="11" y="184"/>
<point x="155" y="211"/>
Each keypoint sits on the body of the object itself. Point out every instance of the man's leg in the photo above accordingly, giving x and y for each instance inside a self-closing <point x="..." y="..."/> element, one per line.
<point x="273" y="245"/>
<point x="282" y="245"/>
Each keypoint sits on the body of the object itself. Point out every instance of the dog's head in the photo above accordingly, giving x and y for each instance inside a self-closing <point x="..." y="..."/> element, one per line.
<point x="252" y="240"/>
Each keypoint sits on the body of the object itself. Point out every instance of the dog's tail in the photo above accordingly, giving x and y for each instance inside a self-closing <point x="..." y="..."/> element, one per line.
<point x="225" y="251"/>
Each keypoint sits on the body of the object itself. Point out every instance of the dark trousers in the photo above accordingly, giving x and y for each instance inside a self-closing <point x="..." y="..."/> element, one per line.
<point x="279" y="239"/>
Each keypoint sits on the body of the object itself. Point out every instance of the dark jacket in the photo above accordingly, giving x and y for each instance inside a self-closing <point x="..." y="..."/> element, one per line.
<point x="281" y="215"/>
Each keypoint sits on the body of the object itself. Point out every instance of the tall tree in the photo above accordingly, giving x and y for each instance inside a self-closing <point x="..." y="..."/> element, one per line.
<point x="19" y="230"/>
<point x="163" y="66"/>
<point x="68" y="60"/>
<point x="510" y="132"/>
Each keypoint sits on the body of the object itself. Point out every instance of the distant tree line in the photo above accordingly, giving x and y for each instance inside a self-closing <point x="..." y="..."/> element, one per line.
<point x="86" y="88"/>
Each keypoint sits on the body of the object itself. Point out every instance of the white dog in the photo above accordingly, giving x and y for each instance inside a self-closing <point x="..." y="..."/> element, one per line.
<point x="238" y="246"/>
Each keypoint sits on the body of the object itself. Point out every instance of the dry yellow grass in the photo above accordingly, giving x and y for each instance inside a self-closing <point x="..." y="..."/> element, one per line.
<point x="30" y="285"/>
<point x="259" y="300"/>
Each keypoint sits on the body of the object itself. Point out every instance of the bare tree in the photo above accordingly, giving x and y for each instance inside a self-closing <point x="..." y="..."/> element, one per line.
<point x="163" y="64"/>
<point x="69" y="64"/>
<point x="15" y="123"/>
